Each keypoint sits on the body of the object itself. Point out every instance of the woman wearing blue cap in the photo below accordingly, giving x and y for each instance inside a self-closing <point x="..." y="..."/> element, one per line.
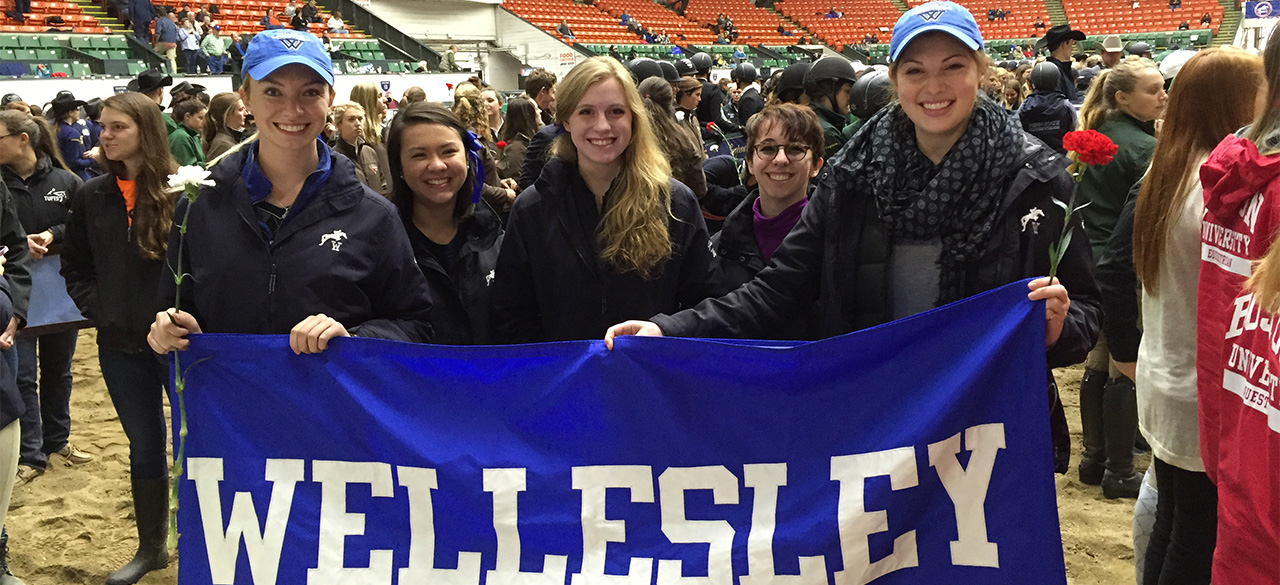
<point x="288" y="240"/>
<point x="927" y="204"/>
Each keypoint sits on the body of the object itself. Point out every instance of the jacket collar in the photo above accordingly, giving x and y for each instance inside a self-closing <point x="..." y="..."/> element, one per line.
<point x="259" y="186"/>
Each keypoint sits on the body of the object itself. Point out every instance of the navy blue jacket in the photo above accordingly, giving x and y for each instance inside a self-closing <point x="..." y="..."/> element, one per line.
<point x="1048" y="115"/>
<point x="460" y="289"/>
<point x="550" y="284"/>
<point x="342" y="252"/>
<point x="11" y="405"/>
<point x="74" y="141"/>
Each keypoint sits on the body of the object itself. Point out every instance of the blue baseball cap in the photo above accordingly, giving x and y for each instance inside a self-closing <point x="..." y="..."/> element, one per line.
<point x="947" y="17"/>
<point x="272" y="49"/>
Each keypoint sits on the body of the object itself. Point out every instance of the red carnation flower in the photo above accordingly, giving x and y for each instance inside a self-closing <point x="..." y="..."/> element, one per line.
<point x="502" y="144"/>
<point x="1092" y="147"/>
<point x="711" y="127"/>
<point x="448" y="86"/>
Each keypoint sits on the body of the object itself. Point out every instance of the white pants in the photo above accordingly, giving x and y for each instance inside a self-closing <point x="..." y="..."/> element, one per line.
<point x="10" y="440"/>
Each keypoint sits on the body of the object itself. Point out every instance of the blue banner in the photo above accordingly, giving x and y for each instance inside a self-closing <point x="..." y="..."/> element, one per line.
<point x="916" y="452"/>
<point x="1260" y="10"/>
<point x="50" y="305"/>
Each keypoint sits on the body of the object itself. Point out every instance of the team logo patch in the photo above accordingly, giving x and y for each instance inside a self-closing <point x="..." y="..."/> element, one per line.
<point x="334" y="239"/>
<point x="292" y="43"/>
<point x="932" y="15"/>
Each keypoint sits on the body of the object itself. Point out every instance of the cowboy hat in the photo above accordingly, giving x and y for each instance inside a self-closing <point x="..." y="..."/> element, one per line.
<point x="62" y="103"/>
<point x="149" y="81"/>
<point x="1058" y="35"/>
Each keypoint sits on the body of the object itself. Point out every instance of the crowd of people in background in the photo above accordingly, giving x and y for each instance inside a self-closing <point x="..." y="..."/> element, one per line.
<point x="611" y="202"/>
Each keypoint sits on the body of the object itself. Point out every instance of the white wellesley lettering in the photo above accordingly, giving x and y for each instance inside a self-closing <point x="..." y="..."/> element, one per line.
<point x="967" y="487"/>
<point x="419" y="483"/>
<point x="764" y="480"/>
<point x="680" y="530"/>
<point x="336" y="524"/>
<point x="598" y="531"/>
<point x="262" y="548"/>
<point x="857" y="524"/>
<point x="506" y="485"/>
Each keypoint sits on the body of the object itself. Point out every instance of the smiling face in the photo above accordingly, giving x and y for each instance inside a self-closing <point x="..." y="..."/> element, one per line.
<point x="492" y="106"/>
<point x="289" y="106"/>
<point x="435" y="164"/>
<point x="600" y="125"/>
<point x="119" y="138"/>
<point x="779" y="177"/>
<point x="1146" y="101"/>
<point x="936" y="79"/>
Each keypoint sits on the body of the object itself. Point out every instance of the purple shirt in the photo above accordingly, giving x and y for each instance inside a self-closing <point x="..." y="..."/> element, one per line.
<point x="770" y="231"/>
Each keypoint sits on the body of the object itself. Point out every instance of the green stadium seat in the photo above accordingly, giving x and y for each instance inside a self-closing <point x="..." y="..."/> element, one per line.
<point x="25" y="54"/>
<point x="119" y="42"/>
<point x="50" y="42"/>
<point x="9" y="42"/>
<point x="98" y="53"/>
<point x="101" y="42"/>
<point x="378" y="55"/>
<point x="81" y="43"/>
<point x="119" y="55"/>
<point x="63" y="68"/>
<point x="6" y="55"/>
<point x="48" y="54"/>
<point x="395" y="67"/>
<point x="29" y="41"/>
<point x="136" y="67"/>
<point x="79" y="69"/>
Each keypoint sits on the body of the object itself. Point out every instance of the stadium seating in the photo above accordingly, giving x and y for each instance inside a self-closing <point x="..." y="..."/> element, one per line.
<point x="681" y="30"/>
<point x="754" y="25"/>
<point x="861" y="17"/>
<point x="1018" y="23"/>
<point x="39" y="19"/>
<point x="588" y="23"/>
<point x="1104" y="17"/>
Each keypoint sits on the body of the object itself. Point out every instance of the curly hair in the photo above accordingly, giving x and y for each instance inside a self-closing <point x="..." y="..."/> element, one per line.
<point x="468" y="105"/>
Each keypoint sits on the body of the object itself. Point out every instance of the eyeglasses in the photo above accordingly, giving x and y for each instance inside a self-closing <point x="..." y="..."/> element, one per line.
<point x="795" y="152"/>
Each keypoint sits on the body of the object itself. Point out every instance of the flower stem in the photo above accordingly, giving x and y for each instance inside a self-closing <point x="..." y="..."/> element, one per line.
<point x="179" y="384"/>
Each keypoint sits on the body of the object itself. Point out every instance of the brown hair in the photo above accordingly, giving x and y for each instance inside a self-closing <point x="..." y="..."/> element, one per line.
<point x="538" y="80"/>
<point x="1263" y="132"/>
<point x="39" y="134"/>
<point x="413" y="115"/>
<point x="799" y="123"/>
<point x="412" y="95"/>
<point x="522" y="119"/>
<point x="215" y="119"/>
<point x="153" y="212"/>
<point x="1212" y="97"/>
<point x="468" y="105"/>
<point x="367" y="95"/>
<point x="686" y="86"/>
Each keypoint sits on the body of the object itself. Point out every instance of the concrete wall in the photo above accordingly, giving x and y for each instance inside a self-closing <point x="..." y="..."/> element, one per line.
<point x="440" y="20"/>
<point x="534" y="47"/>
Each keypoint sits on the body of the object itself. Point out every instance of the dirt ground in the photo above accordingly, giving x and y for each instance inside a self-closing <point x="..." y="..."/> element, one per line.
<point x="73" y="526"/>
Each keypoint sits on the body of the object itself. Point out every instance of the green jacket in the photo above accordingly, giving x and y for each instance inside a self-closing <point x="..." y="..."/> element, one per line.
<point x="1106" y="187"/>
<point x="833" y="125"/>
<point x="184" y="143"/>
<point x="169" y="124"/>
<point x="449" y="63"/>
<point x="212" y="45"/>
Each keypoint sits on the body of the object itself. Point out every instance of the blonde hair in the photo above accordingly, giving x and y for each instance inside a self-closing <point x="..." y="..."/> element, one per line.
<point x="632" y="235"/>
<point x="468" y="105"/>
<point x="367" y="95"/>
<point x="1100" y="103"/>
<point x="340" y="109"/>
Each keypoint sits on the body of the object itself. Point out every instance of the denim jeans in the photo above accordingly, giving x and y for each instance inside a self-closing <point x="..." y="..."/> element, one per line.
<point x="137" y="383"/>
<point x="216" y="62"/>
<point x="47" y="422"/>
<point x="191" y="59"/>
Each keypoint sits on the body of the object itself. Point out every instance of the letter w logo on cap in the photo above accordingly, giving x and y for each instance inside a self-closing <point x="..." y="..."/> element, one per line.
<point x="293" y="44"/>
<point x="932" y="15"/>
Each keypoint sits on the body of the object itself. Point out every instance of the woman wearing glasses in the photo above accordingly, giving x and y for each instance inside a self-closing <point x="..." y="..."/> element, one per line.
<point x="938" y="197"/>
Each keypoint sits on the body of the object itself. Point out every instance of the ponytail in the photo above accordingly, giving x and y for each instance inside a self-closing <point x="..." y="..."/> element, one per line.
<point x="39" y="135"/>
<point x="1100" y="103"/>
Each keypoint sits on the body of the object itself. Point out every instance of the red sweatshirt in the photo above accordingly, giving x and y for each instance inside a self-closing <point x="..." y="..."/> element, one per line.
<point x="1236" y="362"/>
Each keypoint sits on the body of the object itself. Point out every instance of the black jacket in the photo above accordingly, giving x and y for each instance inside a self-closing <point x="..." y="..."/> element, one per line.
<point x="109" y="281"/>
<point x="43" y="200"/>
<point x="460" y="292"/>
<point x="738" y="259"/>
<point x="17" y="267"/>
<point x="1068" y="78"/>
<point x="550" y="285"/>
<point x="11" y="405"/>
<point x="1121" y="292"/>
<point x="1048" y="115"/>
<point x="711" y="109"/>
<point x="749" y="104"/>
<point x="536" y="155"/>
<point x="344" y="254"/>
<point x="839" y="256"/>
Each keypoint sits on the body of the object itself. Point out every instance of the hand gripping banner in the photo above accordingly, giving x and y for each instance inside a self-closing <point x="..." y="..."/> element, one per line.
<point x="915" y="452"/>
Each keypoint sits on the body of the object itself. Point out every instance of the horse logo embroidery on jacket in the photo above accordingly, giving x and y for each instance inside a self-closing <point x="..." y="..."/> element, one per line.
<point x="333" y="238"/>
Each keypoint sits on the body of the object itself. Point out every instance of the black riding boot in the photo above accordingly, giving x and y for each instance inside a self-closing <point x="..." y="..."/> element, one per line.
<point x="6" y="578"/>
<point x="1092" y="462"/>
<point x="1120" y="427"/>
<point x="151" y="508"/>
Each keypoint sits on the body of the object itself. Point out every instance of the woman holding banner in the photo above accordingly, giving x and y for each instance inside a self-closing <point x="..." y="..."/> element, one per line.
<point x="938" y="197"/>
<point x="114" y="254"/>
<point x="604" y="234"/>
<point x="455" y="234"/>
<point x="288" y="240"/>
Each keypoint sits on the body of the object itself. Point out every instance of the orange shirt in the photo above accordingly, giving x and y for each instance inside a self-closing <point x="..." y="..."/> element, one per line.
<point x="127" y="190"/>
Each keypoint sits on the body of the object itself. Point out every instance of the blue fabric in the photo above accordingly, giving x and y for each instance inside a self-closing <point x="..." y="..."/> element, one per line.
<point x="259" y="186"/>
<point x="538" y="418"/>
<point x="1261" y="10"/>
<point x="166" y="31"/>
